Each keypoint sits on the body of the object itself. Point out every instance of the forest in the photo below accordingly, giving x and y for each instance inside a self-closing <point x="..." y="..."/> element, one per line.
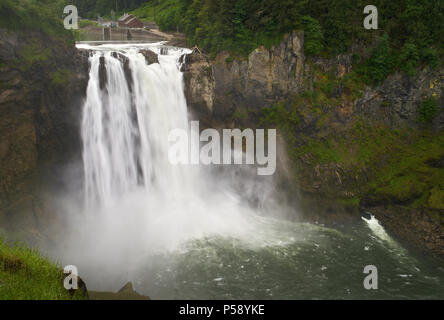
<point x="409" y="31"/>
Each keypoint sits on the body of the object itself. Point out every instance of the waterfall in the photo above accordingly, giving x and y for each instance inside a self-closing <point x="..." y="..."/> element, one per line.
<point x="124" y="127"/>
<point x="129" y="182"/>
<point x="196" y="231"/>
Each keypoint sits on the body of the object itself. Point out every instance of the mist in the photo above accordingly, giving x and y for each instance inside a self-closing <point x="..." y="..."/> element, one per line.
<point x="133" y="203"/>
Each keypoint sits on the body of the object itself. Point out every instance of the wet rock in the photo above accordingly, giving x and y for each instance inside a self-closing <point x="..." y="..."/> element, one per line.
<point x="396" y="101"/>
<point x="40" y="101"/>
<point x="126" y="293"/>
<point x="126" y="288"/>
<point x="199" y="84"/>
<point x="221" y="86"/>
<point x="163" y="51"/>
<point x="416" y="228"/>
<point x="82" y="289"/>
<point x="102" y="73"/>
<point x="150" y="56"/>
<point x="339" y="65"/>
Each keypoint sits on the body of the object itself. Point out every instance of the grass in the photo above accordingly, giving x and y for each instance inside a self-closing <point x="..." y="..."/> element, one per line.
<point x="27" y="275"/>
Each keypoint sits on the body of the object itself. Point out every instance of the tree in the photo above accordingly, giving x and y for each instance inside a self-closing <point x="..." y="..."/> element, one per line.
<point x="312" y="36"/>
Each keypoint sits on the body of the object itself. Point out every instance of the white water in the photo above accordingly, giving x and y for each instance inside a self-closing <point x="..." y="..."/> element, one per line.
<point x="124" y="133"/>
<point x="139" y="201"/>
<point x="377" y="229"/>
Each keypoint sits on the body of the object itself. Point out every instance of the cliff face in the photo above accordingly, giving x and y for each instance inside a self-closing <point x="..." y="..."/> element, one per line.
<point x="219" y="89"/>
<point x="43" y="80"/>
<point x="395" y="103"/>
<point x="352" y="147"/>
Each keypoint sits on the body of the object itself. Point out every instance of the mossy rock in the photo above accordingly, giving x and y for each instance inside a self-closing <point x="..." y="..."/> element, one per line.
<point x="401" y="190"/>
<point x="436" y="199"/>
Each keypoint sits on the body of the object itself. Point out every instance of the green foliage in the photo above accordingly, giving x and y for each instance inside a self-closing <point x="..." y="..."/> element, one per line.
<point x="427" y="110"/>
<point x="31" y="54"/>
<point x="26" y="275"/>
<point x="313" y="36"/>
<point x="322" y="151"/>
<point x="60" y="77"/>
<point x="34" y="53"/>
<point x="413" y="27"/>
<point x="402" y="166"/>
<point x="33" y="15"/>
<point x="77" y="34"/>
<point x="278" y="115"/>
<point x="409" y="58"/>
<point x="411" y="30"/>
<point x="430" y="57"/>
<point x="380" y="64"/>
<point x="229" y="59"/>
<point x="407" y="175"/>
<point x="92" y="8"/>
<point x="436" y="199"/>
<point x="87" y="23"/>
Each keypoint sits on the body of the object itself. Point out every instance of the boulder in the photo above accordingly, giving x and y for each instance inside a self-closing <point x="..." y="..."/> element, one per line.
<point x="150" y="56"/>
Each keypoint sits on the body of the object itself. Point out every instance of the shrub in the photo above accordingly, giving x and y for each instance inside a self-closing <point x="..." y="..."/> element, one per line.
<point x="380" y="63"/>
<point x="428" y="109"/>
<point x="430" y="57"/>
<point x="312" y="36"/>
<point x="409" y="58"/>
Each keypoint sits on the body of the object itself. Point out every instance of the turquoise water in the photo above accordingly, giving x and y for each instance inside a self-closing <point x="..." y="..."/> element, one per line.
<point x="292" y="261"/>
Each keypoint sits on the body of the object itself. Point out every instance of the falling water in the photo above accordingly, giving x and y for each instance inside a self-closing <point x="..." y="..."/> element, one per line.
<point x="124" y="129"/>
<point x="128" y="113"/>
<point x="182" y="231"/>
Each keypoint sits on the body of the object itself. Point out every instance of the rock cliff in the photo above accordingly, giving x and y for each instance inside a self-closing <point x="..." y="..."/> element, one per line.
<point x="219" y="89"/>
<point x="352" y="146"/>
<point x="43" y="81"/>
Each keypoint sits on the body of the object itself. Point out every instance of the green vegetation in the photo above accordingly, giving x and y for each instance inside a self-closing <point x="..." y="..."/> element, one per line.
<point x="386" y="165"/>
<point x="380" y="64"/>
<point x="33" y="15"/>
<point x="25" y="274"/>
<point x="427" y="110"/>
<point x="61" y="77"/>
<point x="87" y="23"/>
<point x="409" y="175"/>
<point x="409" y="34"/>
<point x="313" y="39"/>
<point x="402" y="165"/>
<point x="93" y="8"/>
<point x="409" y="58"/>
<point x="34" y="53"/>
<point x="240" y="26"/>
